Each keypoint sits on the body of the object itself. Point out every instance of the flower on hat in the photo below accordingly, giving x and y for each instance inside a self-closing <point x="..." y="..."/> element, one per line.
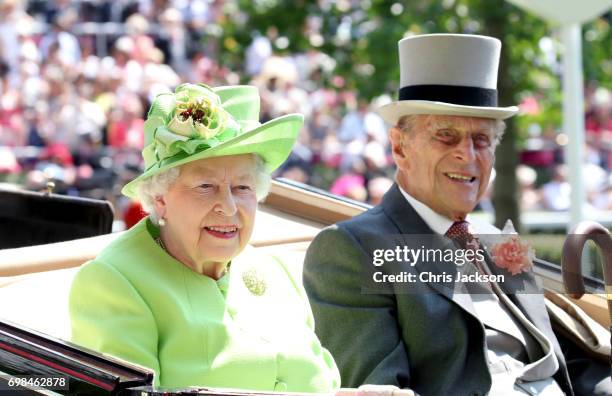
<point x="511" y="253"/>
<point x="190" y="119"/>
<point x="196" y="117"/>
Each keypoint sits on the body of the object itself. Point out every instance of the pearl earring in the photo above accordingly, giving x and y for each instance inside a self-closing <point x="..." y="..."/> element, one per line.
<point x="161" y="222"/>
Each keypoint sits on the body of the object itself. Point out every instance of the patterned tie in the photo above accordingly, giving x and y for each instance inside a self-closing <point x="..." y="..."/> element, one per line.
<point x="460" y="233"/>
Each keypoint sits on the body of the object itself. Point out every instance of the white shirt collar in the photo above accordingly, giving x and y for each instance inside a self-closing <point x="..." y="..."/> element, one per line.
<point x="440" y="224"/>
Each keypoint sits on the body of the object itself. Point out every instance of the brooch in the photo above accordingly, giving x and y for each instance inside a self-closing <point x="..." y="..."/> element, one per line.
<point x="254" y="281"/>
<point x="511" y="253"/>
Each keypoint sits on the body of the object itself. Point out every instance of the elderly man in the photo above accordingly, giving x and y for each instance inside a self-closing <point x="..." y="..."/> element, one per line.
<point x="432" y="340"/>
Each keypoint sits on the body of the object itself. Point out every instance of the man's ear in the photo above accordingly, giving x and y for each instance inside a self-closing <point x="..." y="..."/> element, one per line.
<point x="398" y="140"/>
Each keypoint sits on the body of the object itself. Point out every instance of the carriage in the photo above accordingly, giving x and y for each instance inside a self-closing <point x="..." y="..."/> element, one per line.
<point x="35" y="281"/>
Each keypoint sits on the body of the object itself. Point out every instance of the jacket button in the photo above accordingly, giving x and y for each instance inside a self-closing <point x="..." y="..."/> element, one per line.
<point x="280" y="386"/>
<point x="476" y="393"/>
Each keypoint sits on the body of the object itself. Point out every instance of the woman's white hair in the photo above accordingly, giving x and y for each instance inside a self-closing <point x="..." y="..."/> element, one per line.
<point x="157" y="185"/>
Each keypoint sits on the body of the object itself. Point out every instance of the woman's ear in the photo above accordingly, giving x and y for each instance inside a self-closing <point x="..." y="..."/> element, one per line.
<point x="160" y="206"/>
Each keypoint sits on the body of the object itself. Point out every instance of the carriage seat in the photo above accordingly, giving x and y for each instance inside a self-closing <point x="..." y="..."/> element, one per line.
<point x="35" y="281"/>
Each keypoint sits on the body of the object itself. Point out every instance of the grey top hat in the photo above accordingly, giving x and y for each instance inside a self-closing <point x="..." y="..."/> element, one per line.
<point x="448" y="74"/>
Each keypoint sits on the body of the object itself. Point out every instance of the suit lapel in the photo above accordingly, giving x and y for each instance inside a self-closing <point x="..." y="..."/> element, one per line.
<point x="412" y="227"/>
<point x="402" y="214"/>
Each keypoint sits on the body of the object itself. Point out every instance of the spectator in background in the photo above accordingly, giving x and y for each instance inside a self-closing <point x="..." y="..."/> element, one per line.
<point x="209" y="72"/>
<point x="8" y="163"/>
<point x="13" y="131"/>
<point x="598" y="124"/>
<point x="351" y="186"/>
<point x="12" y="16"/>
<point x="530" y="197"/>
<point x="130" y="70"/>
<point x="353" y="127"/>
<point x="126" y="129"/>
<point x="173" y="33"/>
<point x="133" y="214"/>
<point x="598" y="117"/>
<point x="319" y="125"/>
<point x="602" y="200"/>
<point x="28" y="48"/>
<point x="257" y="53"/>
<point x="137" y="29"/>
<point x="377" y="187"/>
<point x="60" y="39"/>
<point x="296" y="173"/>
<point x="57" y="165"/>
<point x="154" y="72"/>
<point x="276" y="79"/>
<point x="556" y="193"/>
<point x="375" y="160"/>
<point x="358" y="127"/>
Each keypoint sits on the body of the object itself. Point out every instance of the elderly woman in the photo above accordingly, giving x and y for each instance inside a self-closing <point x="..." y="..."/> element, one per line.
<point x="164" y="296"/>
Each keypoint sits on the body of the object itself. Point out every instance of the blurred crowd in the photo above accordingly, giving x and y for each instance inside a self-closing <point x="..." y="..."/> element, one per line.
<point x="543" y="176"/>
<point x="77" y="77"/>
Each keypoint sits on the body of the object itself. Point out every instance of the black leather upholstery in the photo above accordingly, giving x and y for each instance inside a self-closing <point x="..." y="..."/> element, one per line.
<point x="29" y="218"/>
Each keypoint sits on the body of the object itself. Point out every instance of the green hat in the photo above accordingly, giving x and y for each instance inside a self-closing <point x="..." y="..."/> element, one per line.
<point x="197" y="122"/>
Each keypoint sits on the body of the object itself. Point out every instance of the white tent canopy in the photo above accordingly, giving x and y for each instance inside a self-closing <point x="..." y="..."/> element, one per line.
<point x="565" y="11"/>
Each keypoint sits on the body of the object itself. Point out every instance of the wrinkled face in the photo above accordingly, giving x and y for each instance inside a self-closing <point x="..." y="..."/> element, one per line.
<point x="210" y="210"/>
<point x="445" y="161"/>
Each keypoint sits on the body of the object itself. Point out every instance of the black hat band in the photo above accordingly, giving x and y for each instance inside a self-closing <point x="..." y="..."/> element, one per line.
<point x="455" y="94"/>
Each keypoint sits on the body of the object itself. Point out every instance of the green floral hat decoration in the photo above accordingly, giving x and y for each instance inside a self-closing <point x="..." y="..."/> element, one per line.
<point x="197" y="122"/>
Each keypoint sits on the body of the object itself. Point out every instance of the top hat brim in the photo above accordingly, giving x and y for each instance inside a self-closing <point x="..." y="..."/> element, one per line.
<point x="393" y="111"/>
<point x="272" y="141"/>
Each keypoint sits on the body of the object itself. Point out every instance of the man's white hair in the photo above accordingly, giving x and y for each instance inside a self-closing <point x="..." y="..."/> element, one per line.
<point x="158" y="184"/>
<point x="408" y="123"/>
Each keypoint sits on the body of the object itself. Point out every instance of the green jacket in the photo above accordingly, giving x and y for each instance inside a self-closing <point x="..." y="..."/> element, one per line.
<point x="252" y="329"/>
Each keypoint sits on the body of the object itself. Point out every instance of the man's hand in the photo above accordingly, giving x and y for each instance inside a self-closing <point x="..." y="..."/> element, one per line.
<point x="375" y="390"/>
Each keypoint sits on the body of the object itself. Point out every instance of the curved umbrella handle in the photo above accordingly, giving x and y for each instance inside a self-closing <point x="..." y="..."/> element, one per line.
<point x="571" y="258"/>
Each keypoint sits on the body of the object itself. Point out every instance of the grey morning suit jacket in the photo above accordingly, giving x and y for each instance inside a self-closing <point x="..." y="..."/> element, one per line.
<point x="430" y="342"/>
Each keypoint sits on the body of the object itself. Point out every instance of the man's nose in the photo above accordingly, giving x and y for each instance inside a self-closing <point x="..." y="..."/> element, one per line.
<point x="225" y="205"/>
<point x="465" y="149"/>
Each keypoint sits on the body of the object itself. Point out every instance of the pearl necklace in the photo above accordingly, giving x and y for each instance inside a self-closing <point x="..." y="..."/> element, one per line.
<point x="159" y="241"/>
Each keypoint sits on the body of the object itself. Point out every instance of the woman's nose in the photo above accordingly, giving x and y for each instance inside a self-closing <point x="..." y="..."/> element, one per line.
<point x="226" y="204"/>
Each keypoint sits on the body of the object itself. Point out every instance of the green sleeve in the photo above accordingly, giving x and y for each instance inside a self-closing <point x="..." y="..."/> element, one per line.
<point x="108" y="315"/>
<point x="326" y="356"/>
<point x="296" y="281"/>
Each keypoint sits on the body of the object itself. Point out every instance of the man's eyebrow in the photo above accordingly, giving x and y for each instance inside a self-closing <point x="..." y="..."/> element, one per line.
<point x="449" y="125"/>
<point x="445" y="128"/>
<point x="442" y="124"/>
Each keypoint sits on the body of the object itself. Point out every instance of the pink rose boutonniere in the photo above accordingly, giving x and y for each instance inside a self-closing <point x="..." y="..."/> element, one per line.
<point x="510" y="253"/>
